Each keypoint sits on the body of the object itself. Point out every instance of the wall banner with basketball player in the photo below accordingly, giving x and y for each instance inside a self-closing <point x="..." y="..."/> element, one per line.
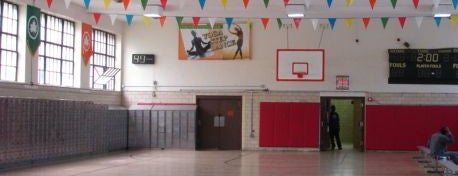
<point x="218" y="43"/>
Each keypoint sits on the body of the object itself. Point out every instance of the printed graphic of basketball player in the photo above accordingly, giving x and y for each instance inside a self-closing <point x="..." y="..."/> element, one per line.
<point x="197" y="43"/>
<point x="239" y="33"/>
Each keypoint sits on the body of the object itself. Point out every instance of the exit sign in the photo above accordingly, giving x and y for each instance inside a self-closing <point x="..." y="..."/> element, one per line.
<point x="342" y="82"/>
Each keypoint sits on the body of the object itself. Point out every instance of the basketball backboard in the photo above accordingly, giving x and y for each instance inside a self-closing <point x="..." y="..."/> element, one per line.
<point x="300" y="65"/>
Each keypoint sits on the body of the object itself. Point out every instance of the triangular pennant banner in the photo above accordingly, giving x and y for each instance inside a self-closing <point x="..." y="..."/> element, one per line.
<point x="349" y="3"/>
<point x="86" y="42"/>
<point x="402" y="21"/>
<point x="162" y="20"/>
<point x="455" y="2"/>
<point x="349" y="22"/>
<point x="144" y="3"/>
<point x="179" y="21"/>
<point x="265" y="22"/>
<point x="163" y="4"/>
<point x="86" y="3"/>
<point x="372" y="2"/>
<point x="106" y="3"/>
<point x="314" y="23"/>
<point x="67" y="3"/>
<point x="438" y="21"/>
<point x="196" y="20"/>
<point x="332" y="22"/>
<point x="113" y="18"/>
<point x="419" y="20"/>
<point x="415" y="3"/>
<point x="224" y="3"/>
<point x="286" y="2"/>
<point x="229" y="22"/>
<point x="248" y="22"/>
<point x="266" y="3"/>
<point x="307" y="3"/>
<point x="366" y="22"/>
<point x="212" y="22"/>
<point x="384" y="21"/>
<point x="146" y="20"/>
<point x="436" y="3"/>
<point x="126" y="3"/>
<point x="129" y="19"/>
<point x="182" y="3"/>
<point x="454" y="19"/>
<point x="245" y="3"/>
<point x="97" y="17"/>
<point x="329" y="3"/>
<point x="297" y="22"/>
<point x="49" y="3"/>
<point x="202" y="4"/>
<point x="280" y="23"/>
<point x="393" y="3"/>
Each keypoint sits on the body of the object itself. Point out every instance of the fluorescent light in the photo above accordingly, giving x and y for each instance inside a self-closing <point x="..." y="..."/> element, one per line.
<point x="153" y="11"/>
<point x="296" y="15"/>
<point x="442" y="15"/>
<point x="295" y="10"/>
<point x="152" y="15"/>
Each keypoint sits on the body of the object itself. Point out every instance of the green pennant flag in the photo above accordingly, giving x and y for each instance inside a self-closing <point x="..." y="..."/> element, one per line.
<point x="266" y="2"/>
<point x="279" y="23"/>
<point x="393" y="3"/>
<point x="384" y="21"/>
<point x="33" y="28"/>
<point x="179" y="20"/>
<point x="144" y="3"/>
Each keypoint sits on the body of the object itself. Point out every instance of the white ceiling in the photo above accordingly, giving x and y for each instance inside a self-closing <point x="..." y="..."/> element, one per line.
<point x="276" y="8"/>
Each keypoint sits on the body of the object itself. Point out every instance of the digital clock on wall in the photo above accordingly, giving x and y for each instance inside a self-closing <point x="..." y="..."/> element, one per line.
<point x="142" y="58"/>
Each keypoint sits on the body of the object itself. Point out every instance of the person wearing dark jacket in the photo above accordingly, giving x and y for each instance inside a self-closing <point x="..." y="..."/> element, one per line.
<point x="334" y="128"/>
<point x="438" y="144"/>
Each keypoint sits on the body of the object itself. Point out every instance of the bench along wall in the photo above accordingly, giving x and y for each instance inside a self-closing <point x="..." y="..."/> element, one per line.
<point x="284" y="124"/>
<point x="395" y="127"/>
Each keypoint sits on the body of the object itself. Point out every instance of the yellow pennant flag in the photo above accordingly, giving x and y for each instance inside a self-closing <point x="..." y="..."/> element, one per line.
<point x="224" y="3"/>
<point x="106" y="3"/>
<point x="248" y="22"/>
<point x="146" y="20"/>
<point x="349" y="22"/>
<point x="349" y="3"/>
<point x="454" y="19"/>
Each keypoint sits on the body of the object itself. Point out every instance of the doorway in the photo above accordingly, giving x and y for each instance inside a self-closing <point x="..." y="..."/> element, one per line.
<point x="219" y="123"/>
<point x="351" y="114"/>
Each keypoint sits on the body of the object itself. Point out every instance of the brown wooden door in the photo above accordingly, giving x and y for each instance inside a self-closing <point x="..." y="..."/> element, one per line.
<point x="219" y="123"/>
<point x="358" y="136"/>
<point x="325" y="143"/>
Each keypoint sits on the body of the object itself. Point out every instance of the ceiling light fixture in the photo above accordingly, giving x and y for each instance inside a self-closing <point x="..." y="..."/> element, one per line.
<point x="295" y="10"/>
<point x="442" y="10"/>
<point x="153" y="11"/>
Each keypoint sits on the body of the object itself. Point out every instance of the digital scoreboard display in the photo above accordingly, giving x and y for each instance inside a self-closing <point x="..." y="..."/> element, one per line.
<point x="423" y="66"/>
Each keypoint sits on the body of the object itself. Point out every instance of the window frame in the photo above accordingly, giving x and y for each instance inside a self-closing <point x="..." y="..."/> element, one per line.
<point x="2" y="33"/>
<point x="106" y="58"/>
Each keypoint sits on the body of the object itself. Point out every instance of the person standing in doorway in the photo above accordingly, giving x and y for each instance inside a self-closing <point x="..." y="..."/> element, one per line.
<point x="334" y="128"/>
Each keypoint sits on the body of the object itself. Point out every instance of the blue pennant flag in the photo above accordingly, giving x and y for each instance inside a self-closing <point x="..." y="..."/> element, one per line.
<point x="438" y="21"/>
<point x="329" y="3"/>
<point x="202" y="4"/>
<point x="229" y="22"/>
<point x="332" y="21"/>
<point x="455" y="2"/>
<point x="129" y="19"/>
<point x="86" y="3"/>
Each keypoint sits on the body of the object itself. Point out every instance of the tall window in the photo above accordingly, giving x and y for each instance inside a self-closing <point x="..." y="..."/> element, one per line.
<point x="9" y="38"/>
<point x="56" y="64"/>
<point x="104" y="44"/>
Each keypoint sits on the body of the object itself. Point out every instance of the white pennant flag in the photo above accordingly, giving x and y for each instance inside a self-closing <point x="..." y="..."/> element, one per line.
<point x="212" y="21"/>
<point x="314" y="23"/>
<point x="307" y="3"/>
<point x="67" y="3"/>
<point x="419" y="21"/>
<point x="436" y="4"/>
<point x="182" y="2"/>
<point x="113" y="18"/>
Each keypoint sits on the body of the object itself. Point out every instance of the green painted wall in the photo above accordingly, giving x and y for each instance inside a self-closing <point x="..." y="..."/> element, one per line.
<point x="345" y="110"/>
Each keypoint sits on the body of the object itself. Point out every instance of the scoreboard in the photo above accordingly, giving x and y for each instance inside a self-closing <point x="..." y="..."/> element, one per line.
<point x="423" y="66"/>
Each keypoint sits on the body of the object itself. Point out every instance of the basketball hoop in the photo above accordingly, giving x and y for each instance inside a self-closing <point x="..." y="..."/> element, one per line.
<point x="300" y="69"/>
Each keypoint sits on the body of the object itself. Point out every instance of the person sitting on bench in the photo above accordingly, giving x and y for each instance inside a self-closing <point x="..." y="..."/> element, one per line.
<point x="438" y="144"/>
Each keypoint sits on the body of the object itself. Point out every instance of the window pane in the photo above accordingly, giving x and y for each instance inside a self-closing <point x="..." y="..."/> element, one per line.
<point x="9" y="38"/>
<point x="103" y="58"/>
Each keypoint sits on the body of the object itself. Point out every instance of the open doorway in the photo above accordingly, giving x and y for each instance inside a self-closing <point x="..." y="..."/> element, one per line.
<point x="351" y="114"/>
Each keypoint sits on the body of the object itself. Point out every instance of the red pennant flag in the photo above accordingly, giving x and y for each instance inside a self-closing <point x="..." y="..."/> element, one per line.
<point x="196" y="20"/>
<point x="415" y="3"/>
<point x="126" y="4"/>
<point x="245" y="3"/>
<point x="265" y="21"/>
<point x="86" y="42"/>
<point x="97" y="17"/>
<point x="366" y="22"/>
<point x="372" y="3"/>
<point x="162" y="20"/>
<point x="49" y="3"/>
<point x="297" y="22"/>
<point x="163" y="4"/>
<point x="402" y="21"/>
<point x="286" y="2"/>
